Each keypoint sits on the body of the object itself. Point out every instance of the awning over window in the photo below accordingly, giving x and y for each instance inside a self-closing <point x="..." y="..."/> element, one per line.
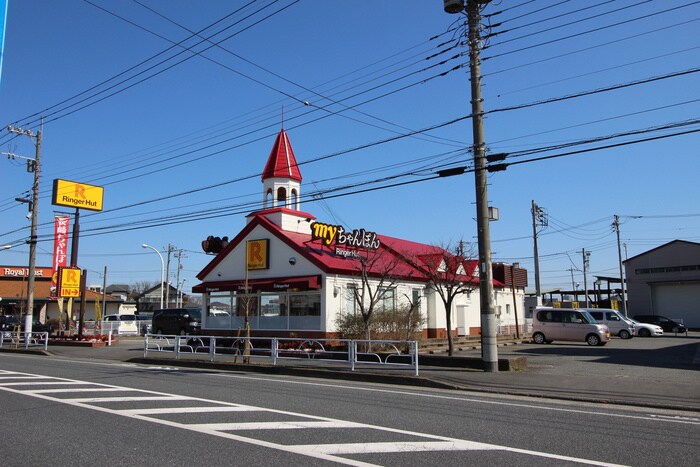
<point x="261" y="285"/>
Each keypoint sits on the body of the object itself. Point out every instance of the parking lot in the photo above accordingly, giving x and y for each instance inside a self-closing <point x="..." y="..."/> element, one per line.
<point x="657" y="357"/>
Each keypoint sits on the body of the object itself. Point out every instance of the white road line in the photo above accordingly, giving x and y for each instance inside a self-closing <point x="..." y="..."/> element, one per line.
<point x="606" y="413"/>
<point x="175" y="410"/>
<point x="72" y="390"/>
<point x="39" y="383"/>
<point x="482" y="400"/>
<point x="404" y="446"/>
<point x="275" y="425"/>
<point x="90" y="400"/>
<point x="433" y="442"/>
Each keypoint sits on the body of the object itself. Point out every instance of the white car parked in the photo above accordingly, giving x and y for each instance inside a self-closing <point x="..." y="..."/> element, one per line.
<point x="122" y="324"/>
<point x="645" y="329"/>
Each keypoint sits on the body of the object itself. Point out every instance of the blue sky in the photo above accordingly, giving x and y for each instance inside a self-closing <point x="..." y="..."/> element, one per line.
<point x="189" y="143"/>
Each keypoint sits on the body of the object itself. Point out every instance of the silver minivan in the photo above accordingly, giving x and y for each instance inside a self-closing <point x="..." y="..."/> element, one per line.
<point x="565" y="324"/>
<point x="613" y="319"/>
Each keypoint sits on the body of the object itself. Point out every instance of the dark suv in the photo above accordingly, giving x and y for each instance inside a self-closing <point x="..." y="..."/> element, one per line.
<point x="8" y="323"/>
<point x="668" y="325"/>
<point x="182" y="321"/>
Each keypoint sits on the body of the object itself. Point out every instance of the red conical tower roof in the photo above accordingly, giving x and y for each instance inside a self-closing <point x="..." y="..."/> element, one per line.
<point x="282" y="163"/>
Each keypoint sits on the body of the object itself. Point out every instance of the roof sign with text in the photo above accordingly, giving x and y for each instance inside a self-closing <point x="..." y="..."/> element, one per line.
<point x="337" y="236"/>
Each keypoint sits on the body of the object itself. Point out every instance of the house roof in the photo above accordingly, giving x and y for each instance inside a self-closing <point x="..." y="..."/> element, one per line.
<point x="324" y="257"/>
<point x="282" y="162"/>
<point x="665" y="245"/>
<point x="13" y="290"/>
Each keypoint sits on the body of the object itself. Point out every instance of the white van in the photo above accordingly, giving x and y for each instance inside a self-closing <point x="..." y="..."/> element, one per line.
<point x="120" y="324"/>
<point x="614" y="320"/>
<point x="565" y="324"/>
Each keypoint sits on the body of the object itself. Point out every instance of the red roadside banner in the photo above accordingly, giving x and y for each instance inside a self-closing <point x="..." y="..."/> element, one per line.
<point x="60" y="248"/>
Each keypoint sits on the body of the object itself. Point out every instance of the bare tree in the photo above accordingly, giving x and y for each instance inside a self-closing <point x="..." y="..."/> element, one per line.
<point x="449" y="275"/>
<point x="376" y="270"/>
<point x="137" y="289"/>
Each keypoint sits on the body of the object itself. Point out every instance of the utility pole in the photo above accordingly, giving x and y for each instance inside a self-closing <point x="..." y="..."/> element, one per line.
<point x="104" y="293"/>
<point x="171" y="248"/>
<point x="616" y="226"/>
<point x="33" y="165"/>
<point x="538" y="219"/>
<point x="489" y="348"/>
<point x="586" y="258"/>
<point x="178" y="255"/>
<point x="573" y="283"/>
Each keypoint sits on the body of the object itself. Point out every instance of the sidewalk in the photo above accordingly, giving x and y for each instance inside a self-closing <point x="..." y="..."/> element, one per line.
<point x="588" y="374"/>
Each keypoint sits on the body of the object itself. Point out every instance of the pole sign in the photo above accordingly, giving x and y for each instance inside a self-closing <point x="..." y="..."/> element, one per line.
<point x="69" y="282"/>
<point x="77" y="195"/>
<point x="60" y="248"/>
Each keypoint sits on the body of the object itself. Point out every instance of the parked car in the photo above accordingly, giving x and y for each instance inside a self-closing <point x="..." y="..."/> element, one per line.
<point x="8" y="322"/>
<point x="614" y="320"/>
<point x="550" y="324"/>
<point x="182" y="321"/>
<point x="123" y="324"/>
<point x="668" y="325"/>
<point x="646" y="329"/>
<point x="38" y="326"/>
<point x="144" y="323"/>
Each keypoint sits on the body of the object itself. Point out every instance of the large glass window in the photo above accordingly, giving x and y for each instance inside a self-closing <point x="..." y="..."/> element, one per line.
<point x="266" y="310"/>
<point x="305" y="311"/>
<point x="219" y="311"/>
<point x="387" y="298"/>
<point x="415" y="297"/>
<point x="350" y="300"/>
<point x="273" y="311"/>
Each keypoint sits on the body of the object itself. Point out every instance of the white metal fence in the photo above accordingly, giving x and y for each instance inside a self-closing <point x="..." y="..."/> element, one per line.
<point x="24" y="340"/>
<point x="315" y="351"/>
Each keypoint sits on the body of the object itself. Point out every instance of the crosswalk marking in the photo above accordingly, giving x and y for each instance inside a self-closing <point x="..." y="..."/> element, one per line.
<point x="72" y="390"/>
<point x="174" y="410"/>
<point x="276" y="425"/>
<point x="330" y="452"/>
<point x="404" y="446"/>
<point x="91" y="400"/>
<point x="37" y="383"/>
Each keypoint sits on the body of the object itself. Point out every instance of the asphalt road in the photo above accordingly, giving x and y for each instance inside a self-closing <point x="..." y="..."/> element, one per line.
<point x="76" y="412"/>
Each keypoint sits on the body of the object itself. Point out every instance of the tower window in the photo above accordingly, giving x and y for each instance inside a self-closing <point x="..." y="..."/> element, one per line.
<point x="281" y="197"/>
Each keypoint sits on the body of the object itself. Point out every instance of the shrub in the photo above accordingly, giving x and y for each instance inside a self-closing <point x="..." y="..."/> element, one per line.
<point x="385" y="324"/>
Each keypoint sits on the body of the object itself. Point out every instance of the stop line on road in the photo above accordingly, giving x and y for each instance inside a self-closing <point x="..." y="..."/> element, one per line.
<point x="74" y="392"/>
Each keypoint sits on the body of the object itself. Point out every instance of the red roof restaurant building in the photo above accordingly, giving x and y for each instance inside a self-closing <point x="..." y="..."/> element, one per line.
<point x="298" y="275"/>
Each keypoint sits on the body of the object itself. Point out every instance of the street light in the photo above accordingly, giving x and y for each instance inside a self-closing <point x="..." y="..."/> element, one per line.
<point x="162" y="270"/>
<point x="5" y="247"/>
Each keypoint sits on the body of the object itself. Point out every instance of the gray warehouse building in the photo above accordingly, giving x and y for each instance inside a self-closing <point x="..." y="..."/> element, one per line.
<point x="666" y="281"/>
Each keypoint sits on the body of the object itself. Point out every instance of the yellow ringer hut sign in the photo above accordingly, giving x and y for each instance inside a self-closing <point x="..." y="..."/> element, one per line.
<point x="77" y="195"/>
<point x="69" y="282"/>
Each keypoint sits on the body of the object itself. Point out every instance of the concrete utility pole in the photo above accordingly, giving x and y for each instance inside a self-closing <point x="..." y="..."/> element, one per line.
<point x="616" y="226"/>
<point x="586" y="258"/>
<point x="536" y="215"/>
<point x="171" y="248"/>
<point x="33" y="165"/>
<point x="178" y="255"/>
<point x="489" y="347"/>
